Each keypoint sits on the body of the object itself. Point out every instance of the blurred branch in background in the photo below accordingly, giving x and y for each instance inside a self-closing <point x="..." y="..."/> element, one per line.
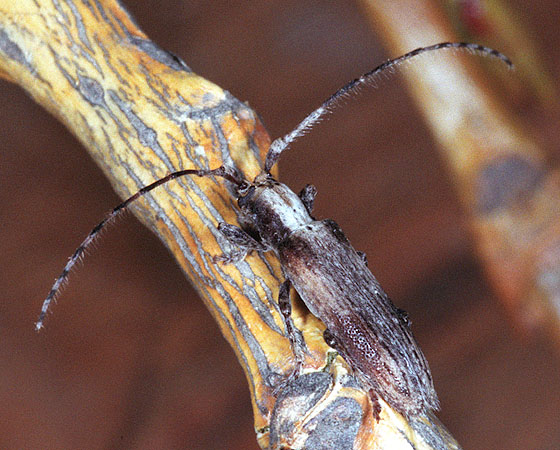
<point x="502" y="176"/>
<point x="493" y="23"/>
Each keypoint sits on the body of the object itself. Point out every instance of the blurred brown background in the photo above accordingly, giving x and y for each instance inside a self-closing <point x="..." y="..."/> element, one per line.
<point x="131" y="359"/>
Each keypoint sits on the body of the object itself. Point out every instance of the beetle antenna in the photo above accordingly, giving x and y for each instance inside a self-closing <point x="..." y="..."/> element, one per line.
<point x="90" y="238"/>
<point x="282" y="143"/>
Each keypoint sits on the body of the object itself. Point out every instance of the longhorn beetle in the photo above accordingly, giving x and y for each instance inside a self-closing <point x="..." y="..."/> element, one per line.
<point x="332" y="278"/>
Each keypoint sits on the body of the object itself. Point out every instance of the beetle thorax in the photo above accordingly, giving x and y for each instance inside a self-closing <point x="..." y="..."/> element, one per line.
<point x="274" y="209"/>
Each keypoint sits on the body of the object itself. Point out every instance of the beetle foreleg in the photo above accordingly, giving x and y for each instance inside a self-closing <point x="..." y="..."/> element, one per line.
<point x="244" y="241"/>
<point x="307" y="196"/>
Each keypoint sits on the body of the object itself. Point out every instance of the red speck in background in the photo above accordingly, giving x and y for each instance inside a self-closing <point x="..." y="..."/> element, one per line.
<point x="472" y="15"/>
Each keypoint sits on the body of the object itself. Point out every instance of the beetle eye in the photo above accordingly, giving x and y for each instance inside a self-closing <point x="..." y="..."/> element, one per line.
<point x="243" y="188"/>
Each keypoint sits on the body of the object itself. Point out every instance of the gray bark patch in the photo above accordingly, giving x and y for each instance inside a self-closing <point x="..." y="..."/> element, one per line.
<point x="337" y="426"/>
<point x="506" y="181"/>
<point x="13" y="51"/>
<point x="156" y="52"/>
<point x="91" y="90"/>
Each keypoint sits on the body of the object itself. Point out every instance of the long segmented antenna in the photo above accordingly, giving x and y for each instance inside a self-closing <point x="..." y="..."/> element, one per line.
<point x="281" y="144"/>
<point x="274" y="152"/>
<point x="220" y="171"/>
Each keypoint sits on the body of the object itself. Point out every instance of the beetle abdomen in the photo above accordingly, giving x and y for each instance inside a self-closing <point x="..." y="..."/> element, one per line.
<point x="369" y="331"/>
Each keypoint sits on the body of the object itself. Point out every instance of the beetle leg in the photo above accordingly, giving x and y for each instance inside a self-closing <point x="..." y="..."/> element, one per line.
<point x="293" y="334"/>
<point x="244" y="241"/>
<point x="307" y="196"/>
<point x="363" y="256"/>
